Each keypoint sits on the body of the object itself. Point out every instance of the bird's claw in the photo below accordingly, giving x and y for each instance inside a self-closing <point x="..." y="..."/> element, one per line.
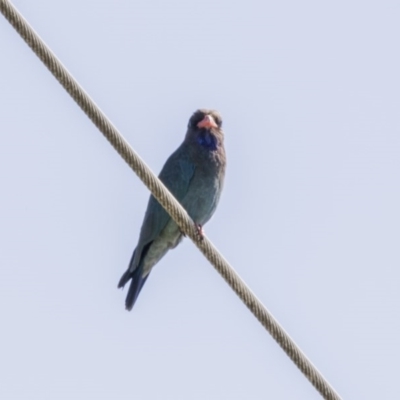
<point x="200" y="232"/>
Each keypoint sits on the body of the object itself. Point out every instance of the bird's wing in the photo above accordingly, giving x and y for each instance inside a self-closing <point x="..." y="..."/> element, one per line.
<point x="176" y="175"/>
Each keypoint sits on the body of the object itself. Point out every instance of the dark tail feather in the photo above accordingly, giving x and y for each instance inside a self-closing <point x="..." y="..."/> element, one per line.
<point x="125" y="278"/>
<point x="136" y="278"/>
<point x="137" y="282"/>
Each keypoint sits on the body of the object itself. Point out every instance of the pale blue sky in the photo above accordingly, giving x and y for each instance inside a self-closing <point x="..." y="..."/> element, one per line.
<point x="310" y="95"/>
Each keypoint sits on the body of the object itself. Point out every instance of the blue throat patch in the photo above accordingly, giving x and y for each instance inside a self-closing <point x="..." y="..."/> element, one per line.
<point x="207" y="140"/>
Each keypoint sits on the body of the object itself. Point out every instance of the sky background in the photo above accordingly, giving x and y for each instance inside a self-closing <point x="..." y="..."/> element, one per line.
<point x="309" y="217"/>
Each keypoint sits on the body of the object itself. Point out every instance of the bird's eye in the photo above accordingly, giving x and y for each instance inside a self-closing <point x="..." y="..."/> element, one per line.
<point x="195" y="120"/>
<point x="218" y="120"/>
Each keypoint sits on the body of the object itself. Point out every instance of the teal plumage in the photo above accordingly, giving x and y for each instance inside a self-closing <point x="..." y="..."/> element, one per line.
<point x="194" y="174"/>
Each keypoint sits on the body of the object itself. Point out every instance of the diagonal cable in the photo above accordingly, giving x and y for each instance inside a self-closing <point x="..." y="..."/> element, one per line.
<point x="166" y="199"/>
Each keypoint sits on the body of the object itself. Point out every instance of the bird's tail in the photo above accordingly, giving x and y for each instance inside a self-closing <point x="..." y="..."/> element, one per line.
<point x="137" y="281"/>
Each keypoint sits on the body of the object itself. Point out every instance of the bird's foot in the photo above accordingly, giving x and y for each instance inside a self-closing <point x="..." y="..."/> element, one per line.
<point x="200" y="232"/>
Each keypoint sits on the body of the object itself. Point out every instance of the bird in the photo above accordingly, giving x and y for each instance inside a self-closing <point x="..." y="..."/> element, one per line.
<point x="194" y="174"/>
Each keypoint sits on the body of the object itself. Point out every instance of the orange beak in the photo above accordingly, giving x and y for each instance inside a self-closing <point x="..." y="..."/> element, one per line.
<point x="207" y="122"/>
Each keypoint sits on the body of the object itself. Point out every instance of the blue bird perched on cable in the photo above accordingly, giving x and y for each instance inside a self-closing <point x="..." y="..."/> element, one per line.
<point x="194" y="174"/>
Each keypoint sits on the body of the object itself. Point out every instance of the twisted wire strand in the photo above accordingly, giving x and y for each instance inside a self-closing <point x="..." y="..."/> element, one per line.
<point x="165" y="198"/>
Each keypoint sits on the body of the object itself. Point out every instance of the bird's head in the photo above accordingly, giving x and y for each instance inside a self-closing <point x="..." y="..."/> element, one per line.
<point x="205" y="119"/>
<point x="205" y="128"/>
